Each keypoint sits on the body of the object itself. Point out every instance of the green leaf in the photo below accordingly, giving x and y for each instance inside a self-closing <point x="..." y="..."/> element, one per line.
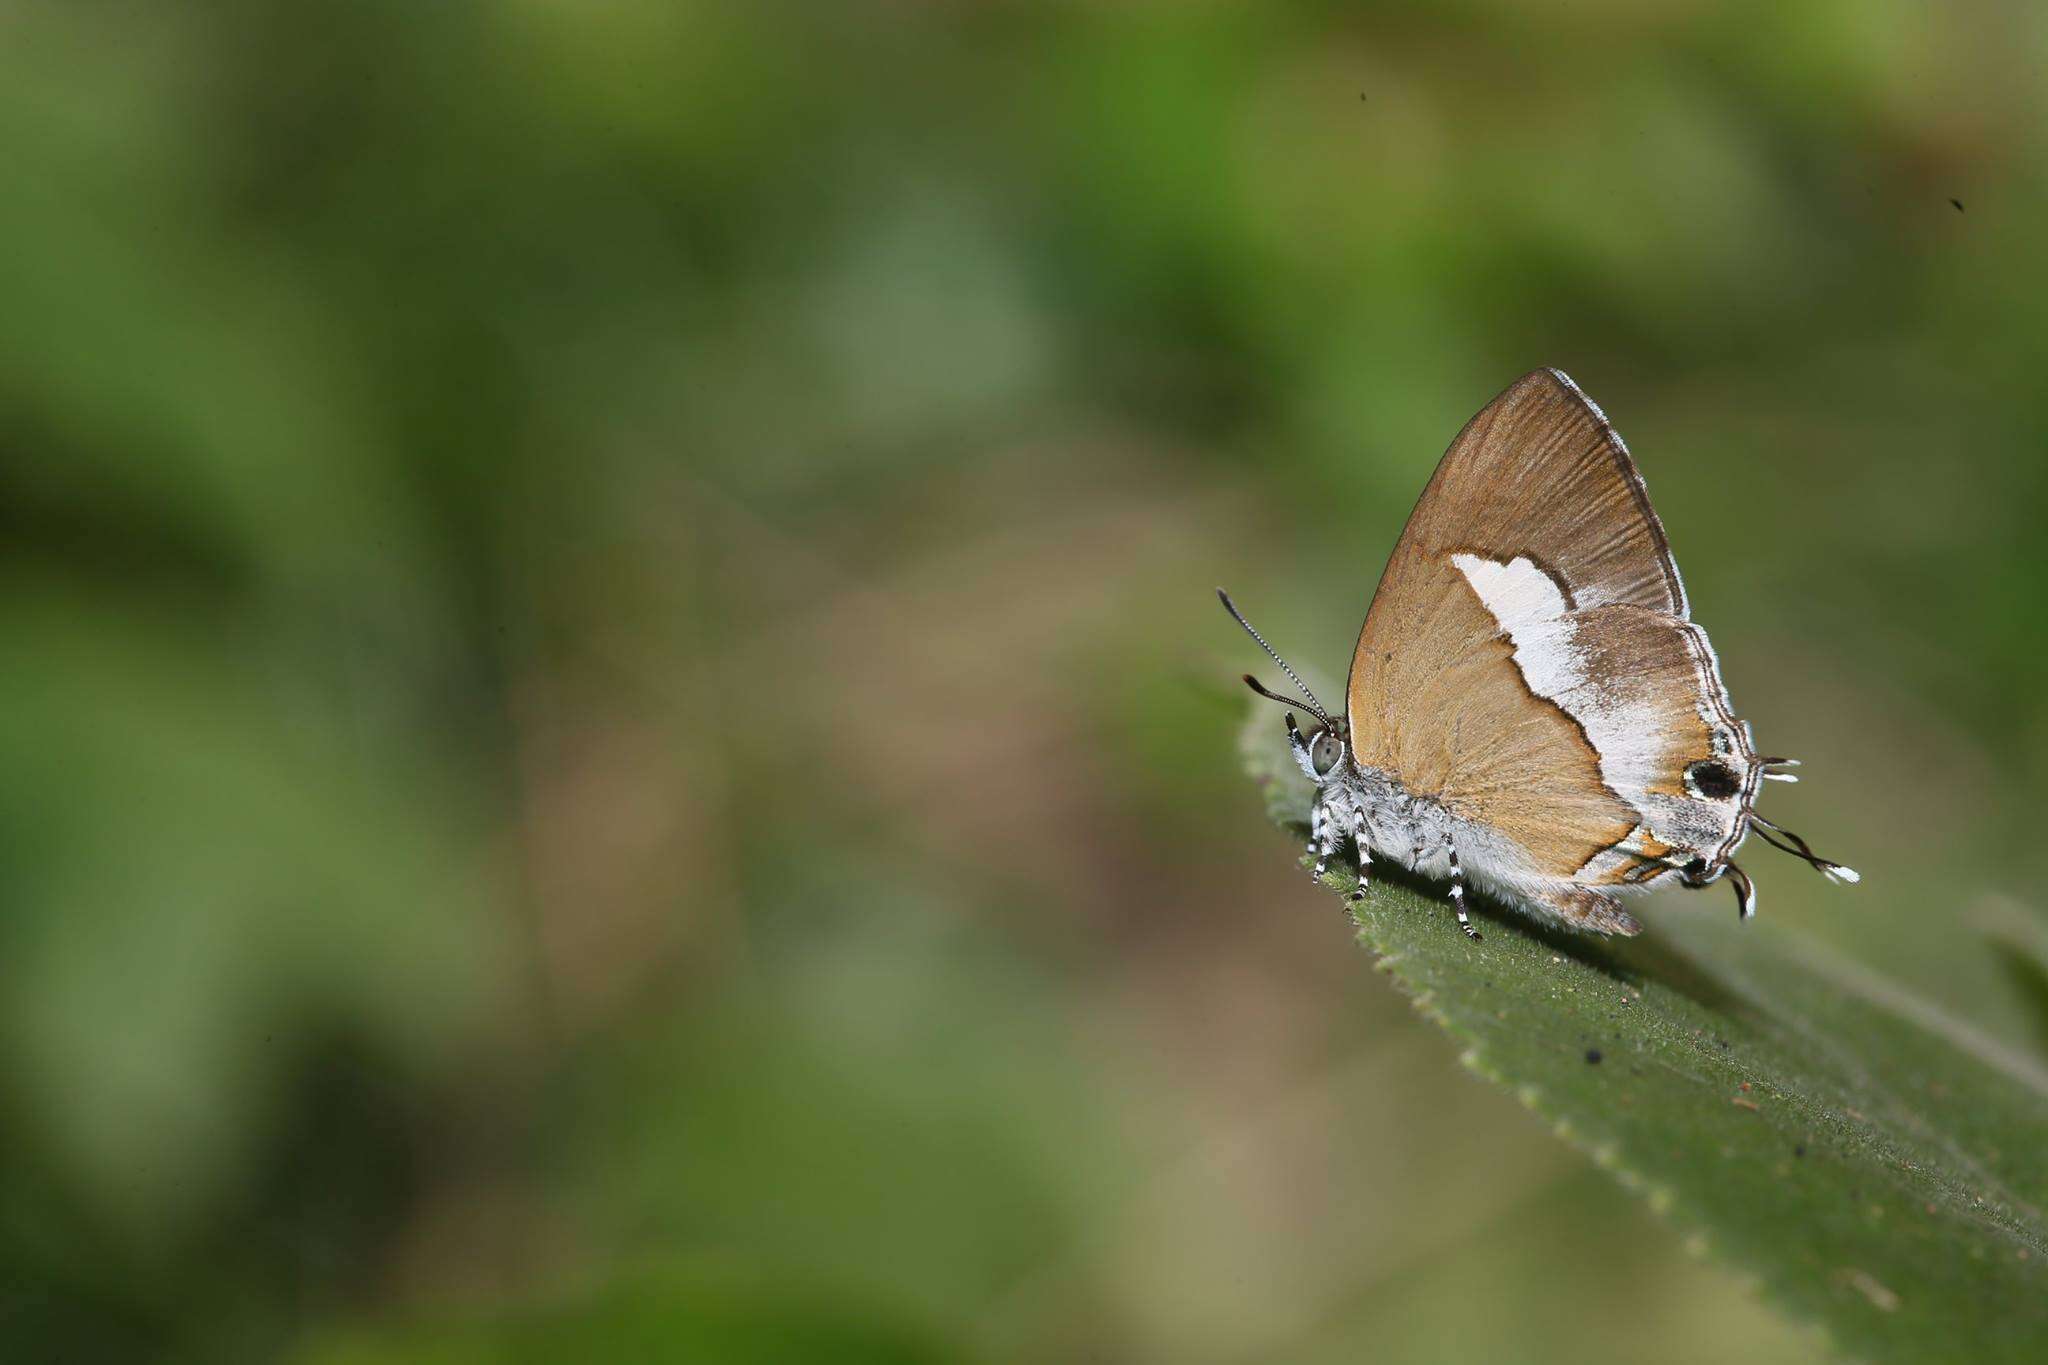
<point x="1877" y="1165"/>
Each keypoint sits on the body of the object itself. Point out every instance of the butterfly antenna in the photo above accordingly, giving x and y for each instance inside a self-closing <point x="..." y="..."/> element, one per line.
<point x="1268" y="693"/>
<point x="1295" y="678"/>
<point x="1797" y="848"/>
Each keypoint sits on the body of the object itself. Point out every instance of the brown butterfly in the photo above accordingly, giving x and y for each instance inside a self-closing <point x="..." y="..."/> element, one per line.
<point x="1530" y="705"/>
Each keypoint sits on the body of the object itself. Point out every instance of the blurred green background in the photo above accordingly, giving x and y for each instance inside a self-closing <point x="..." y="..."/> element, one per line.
<point x="617" y="742"/>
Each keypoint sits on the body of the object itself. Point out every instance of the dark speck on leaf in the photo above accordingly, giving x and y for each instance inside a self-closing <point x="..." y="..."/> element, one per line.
<point x="1593" y="1055"/>
<point x="1799" y="1149"/>
<point x="1958" y="203"/>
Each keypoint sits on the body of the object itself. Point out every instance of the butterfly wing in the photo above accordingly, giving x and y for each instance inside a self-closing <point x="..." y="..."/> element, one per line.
<point x="1527" y="660"/>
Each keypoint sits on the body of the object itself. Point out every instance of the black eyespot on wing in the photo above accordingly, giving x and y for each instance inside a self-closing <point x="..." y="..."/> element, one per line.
<point x="1713" y="779"/>
<point x="1695" y="867"/>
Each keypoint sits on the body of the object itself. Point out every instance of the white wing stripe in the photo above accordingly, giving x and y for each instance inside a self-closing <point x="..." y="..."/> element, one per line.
<point x="1625" y="730"/>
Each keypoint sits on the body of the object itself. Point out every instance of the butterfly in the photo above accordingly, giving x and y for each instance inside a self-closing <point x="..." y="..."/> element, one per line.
<point x="1531" y="709"/>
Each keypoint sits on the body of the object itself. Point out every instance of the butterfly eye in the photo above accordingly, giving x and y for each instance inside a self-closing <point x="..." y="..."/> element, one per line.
<point x="1326" y="752"/>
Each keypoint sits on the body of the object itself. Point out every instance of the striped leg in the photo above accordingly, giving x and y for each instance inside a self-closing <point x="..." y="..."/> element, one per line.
<point x="1458" y="894"/>
<point x="1328" y="837"/>
<point x="1358" y="832"/>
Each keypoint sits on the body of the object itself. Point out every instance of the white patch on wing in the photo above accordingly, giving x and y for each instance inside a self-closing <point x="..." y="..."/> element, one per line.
<point x="1530" y="610"/>
<point x="1521" y="596"/>
<point x="1626" y="726"/>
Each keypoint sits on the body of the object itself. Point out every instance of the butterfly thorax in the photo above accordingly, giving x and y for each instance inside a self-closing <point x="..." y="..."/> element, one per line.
<point x="1406" y="827"/>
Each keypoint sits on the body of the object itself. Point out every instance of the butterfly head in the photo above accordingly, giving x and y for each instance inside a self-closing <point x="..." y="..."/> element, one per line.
<point x="1321" y="751"/>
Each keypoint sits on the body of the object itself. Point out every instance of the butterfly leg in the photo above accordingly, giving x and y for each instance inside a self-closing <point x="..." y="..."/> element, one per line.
<point x="1359" y="834"/>
<point x="1328" y="836"/>
<point x="1458" y="892"/>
